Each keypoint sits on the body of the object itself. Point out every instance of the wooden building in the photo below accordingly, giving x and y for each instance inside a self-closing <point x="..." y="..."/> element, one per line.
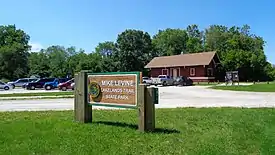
<point x="197" y="66"/>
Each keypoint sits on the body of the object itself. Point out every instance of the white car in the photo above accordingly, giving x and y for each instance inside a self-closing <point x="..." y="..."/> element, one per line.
<point x="163" y="80"/>
<point x="146" y="80"/>
<point x="4" y="86"/>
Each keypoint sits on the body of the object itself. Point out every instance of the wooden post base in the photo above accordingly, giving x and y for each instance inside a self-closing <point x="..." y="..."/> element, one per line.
<point x="83" y="111"/>
<point x="146" y="109"/>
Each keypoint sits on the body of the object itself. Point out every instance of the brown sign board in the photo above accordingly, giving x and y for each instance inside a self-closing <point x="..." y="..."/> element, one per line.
<point x="119" y="89"/>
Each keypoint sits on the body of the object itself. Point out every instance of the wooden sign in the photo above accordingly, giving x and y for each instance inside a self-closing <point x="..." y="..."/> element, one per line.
<point x="113" y="89"/>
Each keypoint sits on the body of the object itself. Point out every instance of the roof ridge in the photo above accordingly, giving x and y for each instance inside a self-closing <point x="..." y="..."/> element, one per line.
<point x="188" y="54"/>
<point x="201" y="58"/>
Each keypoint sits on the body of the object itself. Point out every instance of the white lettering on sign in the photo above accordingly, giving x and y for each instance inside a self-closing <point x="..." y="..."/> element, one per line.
<point x="111" y="90"/>
<point x="118" y="90"/>
<point x="125" y="83"/>
<point x="129" y="91"/>
<point x="117" y="97"/>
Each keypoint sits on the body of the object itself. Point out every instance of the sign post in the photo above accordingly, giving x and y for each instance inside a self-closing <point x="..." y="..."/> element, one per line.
<point x="83" y="112"/>
<point x="118" y="89"/>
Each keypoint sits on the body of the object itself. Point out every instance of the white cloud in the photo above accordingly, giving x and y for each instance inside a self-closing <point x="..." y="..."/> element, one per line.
<point x="36" y="47"/>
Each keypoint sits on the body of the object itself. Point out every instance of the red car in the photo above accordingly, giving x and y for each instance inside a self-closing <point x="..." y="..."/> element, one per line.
<point x="65" y="85"/>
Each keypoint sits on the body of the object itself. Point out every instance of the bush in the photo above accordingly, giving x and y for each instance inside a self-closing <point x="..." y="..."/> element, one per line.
<point x="5" y="80"/>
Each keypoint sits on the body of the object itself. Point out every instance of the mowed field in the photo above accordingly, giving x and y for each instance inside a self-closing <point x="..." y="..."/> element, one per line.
<point x="180" y="128"/>
<point x="178" y="131"/>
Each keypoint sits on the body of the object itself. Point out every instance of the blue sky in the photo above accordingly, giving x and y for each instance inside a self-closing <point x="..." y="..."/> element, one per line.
<point x="85" y="23"/>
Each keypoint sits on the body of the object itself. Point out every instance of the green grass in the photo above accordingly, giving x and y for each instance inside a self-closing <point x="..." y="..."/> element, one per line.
<point x="36" y="98"/>
<point x="37" y="94"/>
<point x="179" y="131"/>
<point x="262" y="87"/>
<point x="205" y="83"/>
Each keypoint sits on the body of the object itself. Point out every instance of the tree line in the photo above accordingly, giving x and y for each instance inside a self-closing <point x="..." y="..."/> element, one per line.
<point x="237" y="48"/>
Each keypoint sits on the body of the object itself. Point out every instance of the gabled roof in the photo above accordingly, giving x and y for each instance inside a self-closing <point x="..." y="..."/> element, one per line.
<point x="192" y="59"/>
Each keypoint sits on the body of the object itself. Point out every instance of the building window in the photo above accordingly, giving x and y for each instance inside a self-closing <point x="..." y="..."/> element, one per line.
<point x="209" y="71"/>
<point x="165" y="72"/>
<point x="192" y="71"/>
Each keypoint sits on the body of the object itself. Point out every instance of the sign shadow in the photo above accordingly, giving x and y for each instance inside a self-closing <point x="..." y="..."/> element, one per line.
<point x="134" y="126"/>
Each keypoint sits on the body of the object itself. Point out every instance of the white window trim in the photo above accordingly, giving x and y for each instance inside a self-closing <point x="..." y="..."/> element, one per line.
<point x="171" y="71"/>
<point x="211" y="71"/>
<point x="190" y="71"/>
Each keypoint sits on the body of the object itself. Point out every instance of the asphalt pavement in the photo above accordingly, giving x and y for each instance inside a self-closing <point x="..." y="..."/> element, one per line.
<point x="169" y="97"/>
<point x="21" y="90"/>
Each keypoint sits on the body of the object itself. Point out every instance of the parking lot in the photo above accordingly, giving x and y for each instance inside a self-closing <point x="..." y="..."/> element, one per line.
<point x="169" y="97"/>
<point x="201" y="96"/>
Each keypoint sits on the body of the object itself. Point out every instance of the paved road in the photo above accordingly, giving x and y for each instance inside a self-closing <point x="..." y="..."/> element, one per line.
<point x="20" y="90"/>
<point x="170" y="97"/>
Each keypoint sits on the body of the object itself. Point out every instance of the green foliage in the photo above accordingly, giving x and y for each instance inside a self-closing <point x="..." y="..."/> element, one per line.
<point x="39" y="64"/>
<point x="170" y="42"/>
<point x="237" y="48"/>
<point x="180" y="131"/>
<point x="261" y="87"/>
<point x="107" y="50"/>
<point x="134" y="50"/>
<point x="13" y="52"/>
<point x="195" y="39"/>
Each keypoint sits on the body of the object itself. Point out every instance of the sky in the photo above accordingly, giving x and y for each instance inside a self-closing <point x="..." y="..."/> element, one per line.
<point x="85" y="23"/>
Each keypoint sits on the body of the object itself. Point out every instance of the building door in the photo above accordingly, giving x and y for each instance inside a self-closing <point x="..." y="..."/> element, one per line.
<point x="175" y="72"/>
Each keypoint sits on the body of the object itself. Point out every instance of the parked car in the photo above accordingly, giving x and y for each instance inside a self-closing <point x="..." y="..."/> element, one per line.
<point x="66" y="85"/>
<point x="146" y="80"/>
<point x="54" y="84"/>
<point x="72" y="86"/>
<point x="163" y="80"/>
<point x="39" y="83"/>
<point x="5" y="86"/>
<point x="32" y="80"/>
<point x="183" y="81"/>
<point x="20" y="82"/>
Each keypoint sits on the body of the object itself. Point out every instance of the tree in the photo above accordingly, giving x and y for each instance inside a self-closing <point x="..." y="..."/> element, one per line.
<point x="13" y="52"/>
<point x="195" y="39"/>
<point x="134" y="50"/>
<point x="90" y="62"/>
<point x="58" y="57"/>
<point x="39" y="64"/>
<point x="74" y="61"/>
<point x="170" y="42"/>
<point x="239" y="50"/>
<point x="215" y="38"/>
<point x="107" y="50"/>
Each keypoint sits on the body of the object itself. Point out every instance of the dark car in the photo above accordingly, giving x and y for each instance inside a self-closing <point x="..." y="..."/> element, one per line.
<point x="66" y="85"/>
<point x="20" y="82"/>
<point x="39" y="83"/>
<point x="54" y="84"/>
<point x="31" y="80"/>
<point x="183" y="81"/>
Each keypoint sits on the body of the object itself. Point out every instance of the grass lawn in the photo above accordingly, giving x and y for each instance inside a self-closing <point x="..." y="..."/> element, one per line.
<point x="37" y="94"/>
<point x="205" y="84"/>
<point x="261" y="87"/>
<point x="179" y="131"/>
